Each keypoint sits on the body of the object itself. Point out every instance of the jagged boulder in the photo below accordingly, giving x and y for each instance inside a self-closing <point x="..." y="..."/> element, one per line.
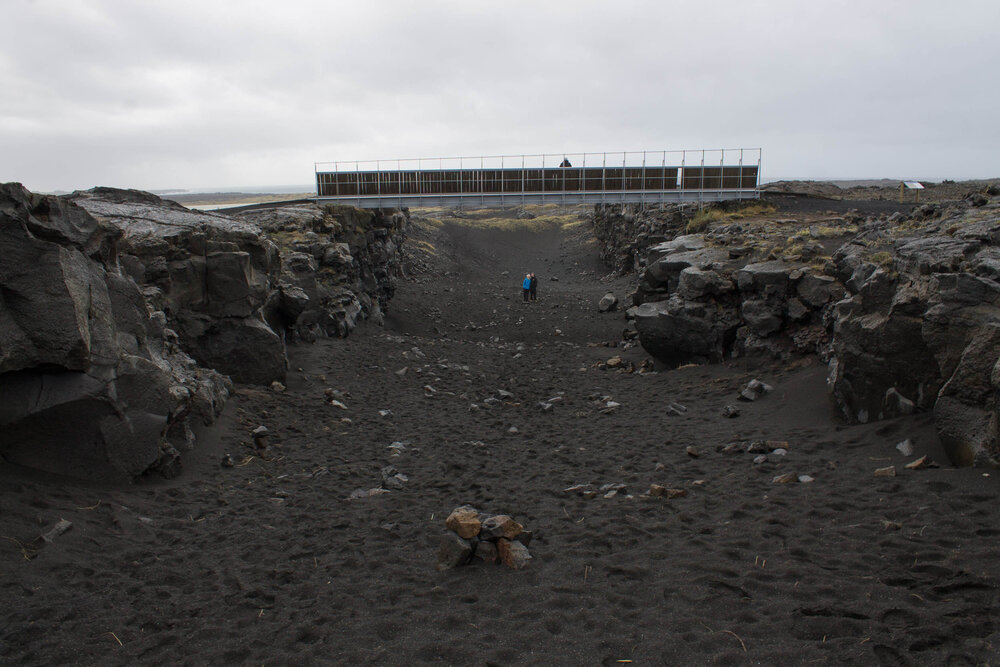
<point x="678" y="331"/>
<point x="92" y="383"/>
<point x="209" y="273"/>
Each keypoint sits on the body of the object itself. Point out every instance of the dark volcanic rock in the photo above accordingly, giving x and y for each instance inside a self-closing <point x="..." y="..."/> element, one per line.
<point x="92" y="383"/>
<point x="209" y="273"/>
<point x="921" y="330"/>
<point x="345" y="260"/>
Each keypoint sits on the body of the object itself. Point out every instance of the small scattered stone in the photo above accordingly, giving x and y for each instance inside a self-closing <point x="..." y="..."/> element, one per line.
<point x="785" y="478"/>
<point x="614" y="362"/>
<point x="692" y="452"/>
<point x="656" y="490"/>
<point x="730" y="411"/>
<point x="58" y="529"/>
<point x="385" y="413"/>
<point x="337" y="404"/>
<point x="260" y="438"/>
<point x="675" y="493"/>
<point x="921" y="463"/>
<point x="393" y="479"/>
<point x="734" y="448"/>
<point x="754" y="390"/>
<point x="905" y="447"/>
<point x="367" y="493"/>
<point x="805" y="479"/>
<point x="757" y="447"/>
<point x="760" y="458"/>
<point x="228" y="461"/>
<point x="780" y="451"/>
<point x="278" y="387"/>
<point x="888" y="471"/>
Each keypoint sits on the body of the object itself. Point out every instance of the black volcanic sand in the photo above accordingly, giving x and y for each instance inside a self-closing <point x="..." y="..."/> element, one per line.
<point x="270" y="562"/>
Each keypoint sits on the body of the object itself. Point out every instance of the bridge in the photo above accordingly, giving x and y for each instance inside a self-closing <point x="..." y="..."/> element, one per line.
<point x="642" y="177"/>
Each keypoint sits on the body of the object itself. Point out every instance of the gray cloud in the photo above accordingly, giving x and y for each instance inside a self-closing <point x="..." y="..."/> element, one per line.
<point x="190" y="94"/>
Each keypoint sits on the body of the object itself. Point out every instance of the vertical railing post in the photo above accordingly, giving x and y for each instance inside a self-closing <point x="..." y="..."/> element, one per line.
<point x="722" y="174"/>
<point x="502" y="186"/>
<point x="604" y="179"/>
<point x="522" y="180"/>
<point x="624" y="159"/>
<point x="663" y="176"/>
<point x="739" y="178"/>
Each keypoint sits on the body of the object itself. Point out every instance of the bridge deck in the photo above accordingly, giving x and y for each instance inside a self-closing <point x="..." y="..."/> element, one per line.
<point x="377" y="188"/>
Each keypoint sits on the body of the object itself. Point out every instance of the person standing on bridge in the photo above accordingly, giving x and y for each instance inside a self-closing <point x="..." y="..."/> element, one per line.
<point x="565" y="163"/>
<point x="533" y="288"/>
<point x="526" y="287"/>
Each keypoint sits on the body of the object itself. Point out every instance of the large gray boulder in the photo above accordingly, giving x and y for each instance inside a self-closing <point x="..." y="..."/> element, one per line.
<point x="92" y="383"/>
<point x="679" y="331"/>
<point x="209" y="273"/>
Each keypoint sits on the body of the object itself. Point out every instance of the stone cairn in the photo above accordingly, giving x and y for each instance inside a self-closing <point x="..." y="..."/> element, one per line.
<point x="478" y="536"/>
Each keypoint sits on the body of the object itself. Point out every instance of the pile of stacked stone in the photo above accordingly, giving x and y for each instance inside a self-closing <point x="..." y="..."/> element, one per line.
<point x="480" y="537"/>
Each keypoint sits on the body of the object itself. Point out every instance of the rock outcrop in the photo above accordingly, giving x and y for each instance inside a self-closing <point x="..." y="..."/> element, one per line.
<point x="210" y="274"/>
<point x="698" y="301"/>
<point x="906" y="311"/>
<point x="921" y="329"/>
<point x="340" y="266"/>
<point x="115" y="303"/>
<point x="92" y="381"/>
<point x="625" y="232"/>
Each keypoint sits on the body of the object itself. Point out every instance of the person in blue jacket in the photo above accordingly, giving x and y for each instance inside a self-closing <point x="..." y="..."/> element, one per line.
<point x="526" y="287"/>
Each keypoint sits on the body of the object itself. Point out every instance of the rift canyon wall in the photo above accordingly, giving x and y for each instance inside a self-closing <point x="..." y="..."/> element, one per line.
<point x="124" y="318"/>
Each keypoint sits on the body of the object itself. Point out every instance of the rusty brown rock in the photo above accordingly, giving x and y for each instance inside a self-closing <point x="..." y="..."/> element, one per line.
<point x="675" y="493"/>
<point x="657" y="490"/>
<point x="513" y="554"/>
<point x="464" y="521"/>
<point x="786" y="478"/>
<point x="921" y="463"/>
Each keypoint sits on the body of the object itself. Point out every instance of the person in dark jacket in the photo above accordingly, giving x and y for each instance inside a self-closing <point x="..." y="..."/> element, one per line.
<point x="526" y="287"/>
<point x="533" y="288"/>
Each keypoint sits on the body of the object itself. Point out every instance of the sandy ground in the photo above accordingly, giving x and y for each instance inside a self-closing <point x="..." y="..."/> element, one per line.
<point x="271" y="562"/>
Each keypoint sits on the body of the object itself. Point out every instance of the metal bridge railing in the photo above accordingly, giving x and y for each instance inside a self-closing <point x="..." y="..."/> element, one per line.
<point x="628" y="177"/>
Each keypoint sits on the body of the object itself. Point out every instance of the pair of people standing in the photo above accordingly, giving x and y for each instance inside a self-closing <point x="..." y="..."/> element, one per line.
<point x="529" y="287"/>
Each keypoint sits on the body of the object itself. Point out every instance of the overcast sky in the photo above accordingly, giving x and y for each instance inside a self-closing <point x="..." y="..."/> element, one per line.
<point x="158" y="94"/>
